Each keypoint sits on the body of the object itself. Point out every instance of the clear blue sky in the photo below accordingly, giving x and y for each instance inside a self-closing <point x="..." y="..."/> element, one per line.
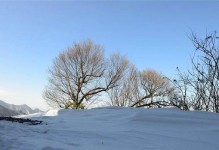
<point x="151" y="34"/>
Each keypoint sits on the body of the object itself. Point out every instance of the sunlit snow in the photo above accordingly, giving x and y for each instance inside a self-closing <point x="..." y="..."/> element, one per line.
<point x="114" y="129"/>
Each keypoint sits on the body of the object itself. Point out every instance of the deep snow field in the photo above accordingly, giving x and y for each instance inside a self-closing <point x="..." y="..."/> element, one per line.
<point x="114" y="128"/>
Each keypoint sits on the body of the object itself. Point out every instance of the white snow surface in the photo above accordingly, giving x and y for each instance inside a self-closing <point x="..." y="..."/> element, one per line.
<point x="114" y="128"/>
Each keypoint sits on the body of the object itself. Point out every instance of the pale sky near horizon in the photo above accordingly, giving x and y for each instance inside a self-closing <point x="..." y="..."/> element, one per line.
<point x="152" y="34"/>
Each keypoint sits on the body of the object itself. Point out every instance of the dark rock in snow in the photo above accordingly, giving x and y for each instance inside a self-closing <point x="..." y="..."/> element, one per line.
<point x="22" y="120"/>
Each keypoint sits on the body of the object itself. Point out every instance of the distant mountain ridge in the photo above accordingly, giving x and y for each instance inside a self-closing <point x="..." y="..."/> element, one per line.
<point x="12" y="110"/>
<point x="4" y="112"/>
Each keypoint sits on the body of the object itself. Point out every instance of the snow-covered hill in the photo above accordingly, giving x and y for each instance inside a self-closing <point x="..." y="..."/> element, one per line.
<point x="19" y="109"/>
<point x="4" y="112"/>
<point x="114" y="129"/>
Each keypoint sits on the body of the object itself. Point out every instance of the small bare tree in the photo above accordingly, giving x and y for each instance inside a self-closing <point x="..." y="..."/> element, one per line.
<point x="181" y="96"/>
<point x="80" y="73"/>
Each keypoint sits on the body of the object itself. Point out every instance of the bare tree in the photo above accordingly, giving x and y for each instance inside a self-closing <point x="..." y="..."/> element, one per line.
<point x="203" y="80"/>
<point x="153" y="91"/>
<point x="206" y="73"/>
<point x="181" y="96"/>
<point x="127" y="90"/>
<point x="80" y="74"/>
<point x="142" y="89"/>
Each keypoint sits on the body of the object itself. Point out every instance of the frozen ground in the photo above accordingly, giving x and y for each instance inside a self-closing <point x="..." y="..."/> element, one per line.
<point x="114" y="129"/>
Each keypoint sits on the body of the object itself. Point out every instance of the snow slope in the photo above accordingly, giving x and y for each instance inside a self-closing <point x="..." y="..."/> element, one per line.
<point x="114" y="129"/>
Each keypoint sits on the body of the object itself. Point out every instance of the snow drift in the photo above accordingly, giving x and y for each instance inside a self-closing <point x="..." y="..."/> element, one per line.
<point x="114" y="129"/>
